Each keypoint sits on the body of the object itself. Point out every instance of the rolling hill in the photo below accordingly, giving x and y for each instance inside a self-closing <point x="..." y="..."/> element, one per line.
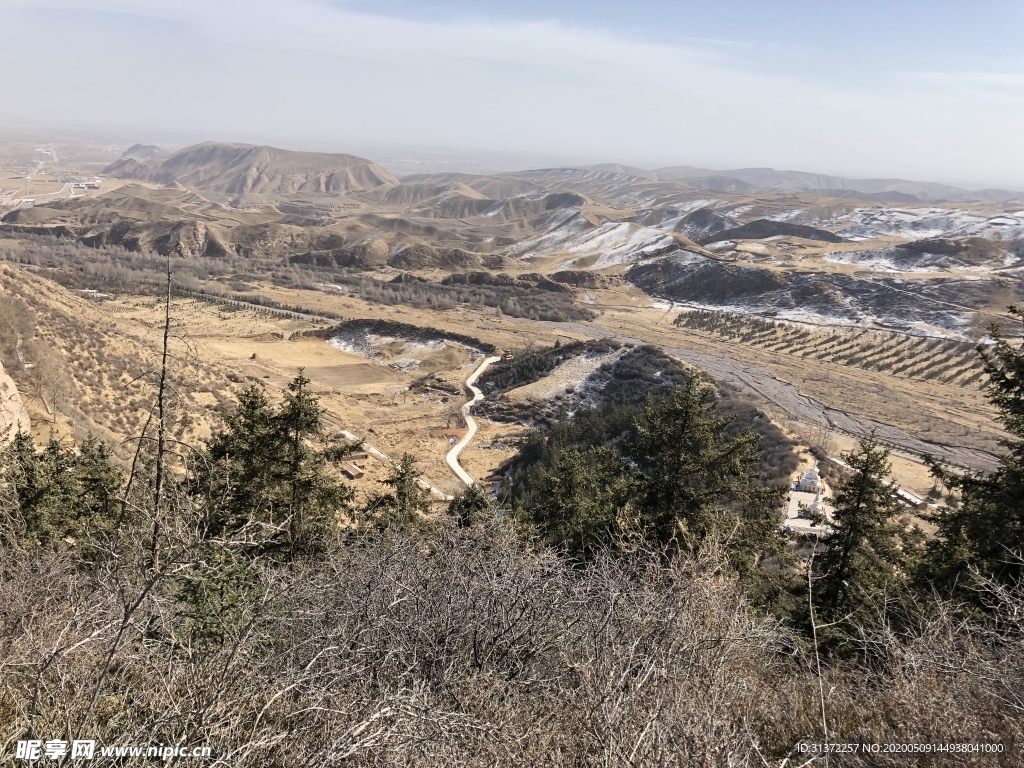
<point x="245" y="172"/>
<point x="770" y="179"/>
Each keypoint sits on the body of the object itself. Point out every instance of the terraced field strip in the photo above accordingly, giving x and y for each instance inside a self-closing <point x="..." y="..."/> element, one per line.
<point x="946" y="361"/>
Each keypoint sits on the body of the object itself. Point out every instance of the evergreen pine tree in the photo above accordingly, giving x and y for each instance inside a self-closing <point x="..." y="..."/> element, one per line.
<point x="865" y="552"/>
<point x="583" y="501"/>
<point x="984" y="531"/>
<point x="696" y="482"/>
<point x="471" y="507"/>
<point x="63" y="494"/>
<point x="270" y="467"/>
<point x="243" y="477"/>
<point x="405" y="505"/>
<point x="314" y="497"/>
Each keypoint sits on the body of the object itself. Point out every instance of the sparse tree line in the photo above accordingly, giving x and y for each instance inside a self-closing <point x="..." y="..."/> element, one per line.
<point x="516" y="298"/>
<point x="404" y="330"/>
<point x="264" y="303"/>
<point x="113" y="269"/>
<point x="918" y="357"/>
<point x="532" y="364"/>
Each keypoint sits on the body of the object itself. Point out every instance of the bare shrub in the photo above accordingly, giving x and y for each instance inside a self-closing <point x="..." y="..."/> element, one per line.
<point x="469" y="649"/>
<point x="925" y="673"/>
<point x="465" y="650"/>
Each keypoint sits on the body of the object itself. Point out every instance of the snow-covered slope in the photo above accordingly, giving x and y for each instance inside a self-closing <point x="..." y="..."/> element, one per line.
<point x="971" y="254"/>
<point x="575" y="237"/>
<point x="943" y="306"/>
<point x="921" y="223"/>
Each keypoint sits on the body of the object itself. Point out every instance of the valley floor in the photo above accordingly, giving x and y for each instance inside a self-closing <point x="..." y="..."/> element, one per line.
<point x="408" y="401"/>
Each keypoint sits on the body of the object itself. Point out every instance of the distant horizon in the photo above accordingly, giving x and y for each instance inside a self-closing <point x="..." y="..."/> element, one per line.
<point x="916" y="90"/>
<point x="462" y="161"/>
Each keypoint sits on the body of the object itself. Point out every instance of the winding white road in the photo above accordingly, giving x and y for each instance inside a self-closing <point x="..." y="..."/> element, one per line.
<point x="453" y="455"/>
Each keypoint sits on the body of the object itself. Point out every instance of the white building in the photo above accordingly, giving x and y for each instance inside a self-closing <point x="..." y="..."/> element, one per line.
<point x="817" y="506"/>
<point x="911" y="500"/>
<point x="810" y="482"/>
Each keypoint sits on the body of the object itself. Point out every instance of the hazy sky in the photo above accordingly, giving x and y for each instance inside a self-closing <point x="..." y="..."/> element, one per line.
<point x="921" y="89"/>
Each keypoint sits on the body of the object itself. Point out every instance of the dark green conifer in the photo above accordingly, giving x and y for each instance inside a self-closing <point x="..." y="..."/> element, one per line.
<point x="697" y="483"/>
<point x="584" y="501"/>
<point x="866" y="551"/>
<point x="243" y="481"/>
<point x="471" y="507"/>
<point x="405" y="505"/>
<point x="315" y="497"/>
<point x="982" y="532"/>
<point x="63" y="494"/>
<point x="268" y="470"/>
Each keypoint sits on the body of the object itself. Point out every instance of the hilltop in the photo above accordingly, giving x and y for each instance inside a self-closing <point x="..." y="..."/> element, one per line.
<point x="247" y="173"/>
<point x="889" y="190"/>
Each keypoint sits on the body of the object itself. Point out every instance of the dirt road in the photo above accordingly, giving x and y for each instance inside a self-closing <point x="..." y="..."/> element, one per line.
<point x="453" y="455"/>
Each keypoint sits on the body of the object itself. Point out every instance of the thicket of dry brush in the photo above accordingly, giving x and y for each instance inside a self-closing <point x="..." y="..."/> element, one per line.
<point x="467" y="648"/>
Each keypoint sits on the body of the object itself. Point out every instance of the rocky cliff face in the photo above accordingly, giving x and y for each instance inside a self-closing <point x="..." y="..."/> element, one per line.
<point x="189" y="239"/>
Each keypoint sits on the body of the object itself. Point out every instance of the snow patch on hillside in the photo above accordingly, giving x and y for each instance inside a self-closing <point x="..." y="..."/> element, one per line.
<point x="893" y="260"/>
<point x="793" y="215"/>
<point x="619" y="244"/>
<point x="562" y="229"/>
<point x="926" y="223"/>
<point x="493" y="209"/>
<point x="613" y="242"/>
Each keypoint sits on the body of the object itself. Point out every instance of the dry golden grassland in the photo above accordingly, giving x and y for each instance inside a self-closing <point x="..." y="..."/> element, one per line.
<point x="101" y="366"/>
<point x="363" y="396"/>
